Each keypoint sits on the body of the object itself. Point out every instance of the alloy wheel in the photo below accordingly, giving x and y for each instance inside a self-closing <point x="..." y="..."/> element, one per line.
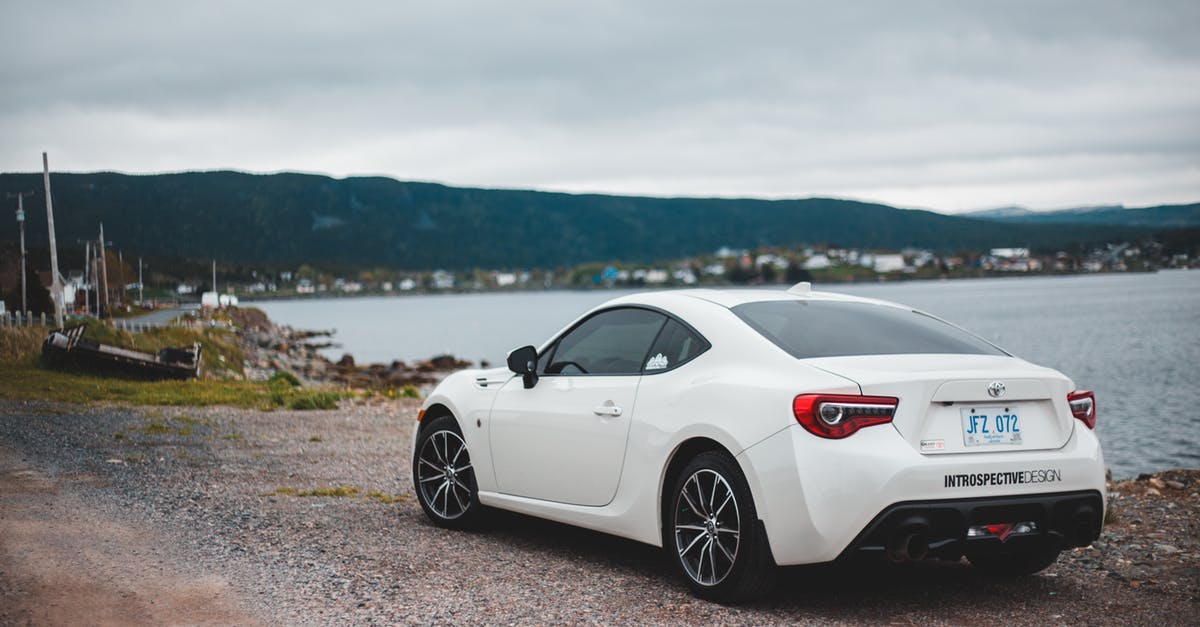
<point x="444" y="475"/>
<point x="707" y="527"/>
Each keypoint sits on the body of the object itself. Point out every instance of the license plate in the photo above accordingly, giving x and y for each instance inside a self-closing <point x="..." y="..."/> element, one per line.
<point x="988" y="425"/>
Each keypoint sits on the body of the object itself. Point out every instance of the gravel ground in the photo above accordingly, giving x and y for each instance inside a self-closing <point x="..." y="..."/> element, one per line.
<point x="183" y="515"/>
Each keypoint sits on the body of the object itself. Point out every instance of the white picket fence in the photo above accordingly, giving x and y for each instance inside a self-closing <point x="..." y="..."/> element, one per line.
<point x="19" y="319"/>
<point x="29" y="319"/>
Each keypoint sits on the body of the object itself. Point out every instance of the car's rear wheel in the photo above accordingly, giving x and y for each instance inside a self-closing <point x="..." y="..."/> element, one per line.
<point x="443" y="475"/>
<point x="713" y="533"/>
<point x="1027" y="561"/>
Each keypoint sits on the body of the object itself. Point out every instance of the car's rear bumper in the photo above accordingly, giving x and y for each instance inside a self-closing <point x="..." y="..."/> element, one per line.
<point x="942" y="528"/>
<point x="822" y="499"/>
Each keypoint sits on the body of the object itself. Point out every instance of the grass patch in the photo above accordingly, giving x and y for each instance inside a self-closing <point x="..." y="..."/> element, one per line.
<point x="285" y="391"/>
<point x="155" y="427"/>
<point x="335" y="491"/>
<point x="341" y="491"/>
<point x="20" y="342"/>
<point x="410" y="391"/>
<point x="386" y="498"/>
<point x="309" y="399"/>
<point x="283" y="378"/>
<point x="188" y="420"/>
<point x="407" y="391"/>
<point x="24" y="379"/>
<point x="315" y="438"/>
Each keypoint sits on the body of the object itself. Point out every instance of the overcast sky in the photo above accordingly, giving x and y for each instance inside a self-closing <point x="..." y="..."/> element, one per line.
<point x="943" y="105"/>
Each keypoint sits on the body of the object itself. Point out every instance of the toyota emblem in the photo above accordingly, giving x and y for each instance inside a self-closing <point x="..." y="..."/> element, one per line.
<point x="996" y="389"/>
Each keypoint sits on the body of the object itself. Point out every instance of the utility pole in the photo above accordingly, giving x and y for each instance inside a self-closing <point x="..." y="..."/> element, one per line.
<point x="141" y="293"/>
<point x="87" y="276"/>
<point x="21" y="223"/>
<point x="56" y="284"/>
<point x="96" y="279"/>
<point x="104" y="272"/>
<point x="215" y="280"/>
<point x="121" y="274"/>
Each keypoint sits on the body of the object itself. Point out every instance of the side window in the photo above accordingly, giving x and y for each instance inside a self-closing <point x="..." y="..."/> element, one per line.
<point x="611" y="342"/>
<point x="546" y="358"/>
<point x="675" y="345"/>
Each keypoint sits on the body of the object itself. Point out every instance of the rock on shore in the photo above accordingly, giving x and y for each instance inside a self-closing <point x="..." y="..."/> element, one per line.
<point x="1152" y="539"/>
<point x="270" y="347"/>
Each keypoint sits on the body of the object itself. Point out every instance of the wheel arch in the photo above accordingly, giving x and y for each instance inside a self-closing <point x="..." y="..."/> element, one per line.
<point x="433" y="412"/>
<point x="684" y="452"/>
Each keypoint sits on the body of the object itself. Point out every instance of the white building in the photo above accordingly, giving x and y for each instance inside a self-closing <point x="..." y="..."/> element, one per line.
<point x="888" y="263"/>
<point x="773" y="260"/>
<point x="816" y="262"/>
<point x="1010" y="253"/>
<point x="685" y="276"/>
<point x="443" y="280"/>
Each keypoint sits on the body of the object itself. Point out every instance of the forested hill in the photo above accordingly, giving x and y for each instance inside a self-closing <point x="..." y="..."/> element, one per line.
<point x="289" y="219"/>
<point x="1163" y="216"/>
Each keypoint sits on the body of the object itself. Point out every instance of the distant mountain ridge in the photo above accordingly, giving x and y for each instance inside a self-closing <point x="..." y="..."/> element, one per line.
<point x="1162" y="216"/>
<point x="284" y="220"/>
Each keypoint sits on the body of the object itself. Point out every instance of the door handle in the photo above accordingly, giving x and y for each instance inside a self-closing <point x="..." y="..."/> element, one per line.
<point x="607" y="410"/>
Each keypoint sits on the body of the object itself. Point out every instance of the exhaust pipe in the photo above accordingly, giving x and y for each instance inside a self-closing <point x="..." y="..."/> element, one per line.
<point x="912" y="545"/>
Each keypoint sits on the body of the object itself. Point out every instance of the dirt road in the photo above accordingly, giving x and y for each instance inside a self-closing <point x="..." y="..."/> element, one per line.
<point x="218" y="516"/>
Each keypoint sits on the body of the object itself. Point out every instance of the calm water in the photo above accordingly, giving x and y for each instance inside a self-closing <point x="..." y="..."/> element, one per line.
<point x="1134" y="339"/>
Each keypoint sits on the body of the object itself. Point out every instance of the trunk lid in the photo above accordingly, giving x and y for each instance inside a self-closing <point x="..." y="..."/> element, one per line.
<point x="945" y="405"/>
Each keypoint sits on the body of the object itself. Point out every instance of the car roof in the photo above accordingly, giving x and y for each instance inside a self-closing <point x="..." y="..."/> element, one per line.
<point x="730" y="298"/>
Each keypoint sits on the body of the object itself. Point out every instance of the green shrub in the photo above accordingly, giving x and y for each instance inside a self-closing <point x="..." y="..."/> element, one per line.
<point x="283" y="378"/>
<point x="410" y="391"/>
<point x="313" y="400"/>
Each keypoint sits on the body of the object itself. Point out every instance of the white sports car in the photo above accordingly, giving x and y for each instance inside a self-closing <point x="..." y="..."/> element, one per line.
<point x="746" y="429"/>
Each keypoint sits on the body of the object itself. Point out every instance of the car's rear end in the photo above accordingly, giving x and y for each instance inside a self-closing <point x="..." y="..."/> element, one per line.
<point x="952" y="447"/>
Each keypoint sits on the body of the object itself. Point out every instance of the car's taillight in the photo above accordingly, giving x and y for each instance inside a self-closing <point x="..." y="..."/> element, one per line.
<point x="840" y="415"/>
<point x="1083" y="406"/>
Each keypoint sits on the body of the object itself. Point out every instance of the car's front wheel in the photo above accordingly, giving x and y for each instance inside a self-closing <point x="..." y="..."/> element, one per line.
<point x="712" y="531"/>
<point x="443" y="475"/>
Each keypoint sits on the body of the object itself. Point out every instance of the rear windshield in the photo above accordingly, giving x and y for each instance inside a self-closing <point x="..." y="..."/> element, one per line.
<point x="833" y="329"/>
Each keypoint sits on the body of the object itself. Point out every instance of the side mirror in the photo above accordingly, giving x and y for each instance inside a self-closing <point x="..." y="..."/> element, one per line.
<point x="523" y="361"/>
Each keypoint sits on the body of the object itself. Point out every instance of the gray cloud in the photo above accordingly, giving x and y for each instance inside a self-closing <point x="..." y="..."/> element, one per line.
<point x="948" y="105"/>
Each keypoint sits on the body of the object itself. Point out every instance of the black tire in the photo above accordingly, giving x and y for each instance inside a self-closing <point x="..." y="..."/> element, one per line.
<point x="443" y="477"/>
<point x="709" y="570"/>
<point x="1027" y="561"/>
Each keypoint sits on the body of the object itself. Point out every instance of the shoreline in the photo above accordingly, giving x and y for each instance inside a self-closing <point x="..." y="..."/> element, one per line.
<point x="252" y="299"/>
